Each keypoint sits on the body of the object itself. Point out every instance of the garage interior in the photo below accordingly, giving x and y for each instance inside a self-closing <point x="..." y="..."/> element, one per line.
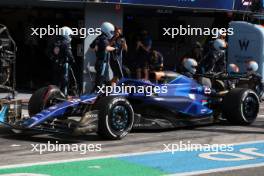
<point x="33" y="65"/>
<point x="154" y="20"/>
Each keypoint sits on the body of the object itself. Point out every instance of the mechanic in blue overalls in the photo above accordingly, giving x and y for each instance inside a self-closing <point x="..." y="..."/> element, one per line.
<point x="102" y="47"/>
<point x="215" y="60"/>
<point x="143" y="51"/>
<point x="156" y="62"/>
<point x="60" y="52"/>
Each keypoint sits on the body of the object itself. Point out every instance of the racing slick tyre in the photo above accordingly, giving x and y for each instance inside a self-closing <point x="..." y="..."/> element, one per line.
<point x="241" y="106"/>
<point x="116" y="117"/>
<point x="42" y="99"/>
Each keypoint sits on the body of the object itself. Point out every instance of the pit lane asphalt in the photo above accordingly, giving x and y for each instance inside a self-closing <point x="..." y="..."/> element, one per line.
<point x="17" y="149"/>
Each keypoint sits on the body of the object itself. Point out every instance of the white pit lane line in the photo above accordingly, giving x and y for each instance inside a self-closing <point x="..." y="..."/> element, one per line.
<point x="15" y="145"/>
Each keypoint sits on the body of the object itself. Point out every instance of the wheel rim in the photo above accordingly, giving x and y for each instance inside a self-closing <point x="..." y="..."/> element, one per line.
<point x="250" y="108"/>
<point x="119" y="118"/>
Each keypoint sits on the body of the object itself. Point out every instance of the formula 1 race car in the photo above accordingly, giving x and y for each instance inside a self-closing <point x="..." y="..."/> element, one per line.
<point x="178" y="102"/>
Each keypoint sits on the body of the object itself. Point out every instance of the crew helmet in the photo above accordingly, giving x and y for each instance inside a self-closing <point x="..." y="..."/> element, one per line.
<point x="252" y="66"/>
<point x="108" y="29"/>
<point x="67" y="32"/>
<point x="233" y="68"/>
<point x="219" y="45"/>
<point x="221" y="34"/>
<point x="190" y="65"/>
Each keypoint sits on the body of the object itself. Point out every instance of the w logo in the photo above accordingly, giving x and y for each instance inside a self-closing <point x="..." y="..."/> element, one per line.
<point x="243" y="44"/>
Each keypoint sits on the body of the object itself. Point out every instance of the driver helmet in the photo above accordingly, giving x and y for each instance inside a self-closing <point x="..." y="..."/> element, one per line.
<point x="108" y="29"/>
<point x="67" y="33"/>
<point x="190" y="65"/>
<point x="252" y="66"/>
<point x="233" y="68"/>
<point x="219" y="45"/>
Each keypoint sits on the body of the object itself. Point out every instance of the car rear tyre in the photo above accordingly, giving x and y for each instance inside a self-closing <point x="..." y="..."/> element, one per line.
<point x="241" y="106"/>
<point x="42" y="99"/>
<point x="116" y="117"/>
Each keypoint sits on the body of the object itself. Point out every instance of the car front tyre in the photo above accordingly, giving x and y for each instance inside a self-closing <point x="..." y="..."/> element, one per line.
<point x="42" y="98"/>
<point x="116" y="117"/>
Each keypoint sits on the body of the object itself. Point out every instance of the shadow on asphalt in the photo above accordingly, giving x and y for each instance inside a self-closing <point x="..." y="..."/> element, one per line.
<point x="68" y="139"/>
<point x="53" y="138"/>
<point x="63" y="138"/>
<point x="191" y="127"/>
<point x="241" y="131"/>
